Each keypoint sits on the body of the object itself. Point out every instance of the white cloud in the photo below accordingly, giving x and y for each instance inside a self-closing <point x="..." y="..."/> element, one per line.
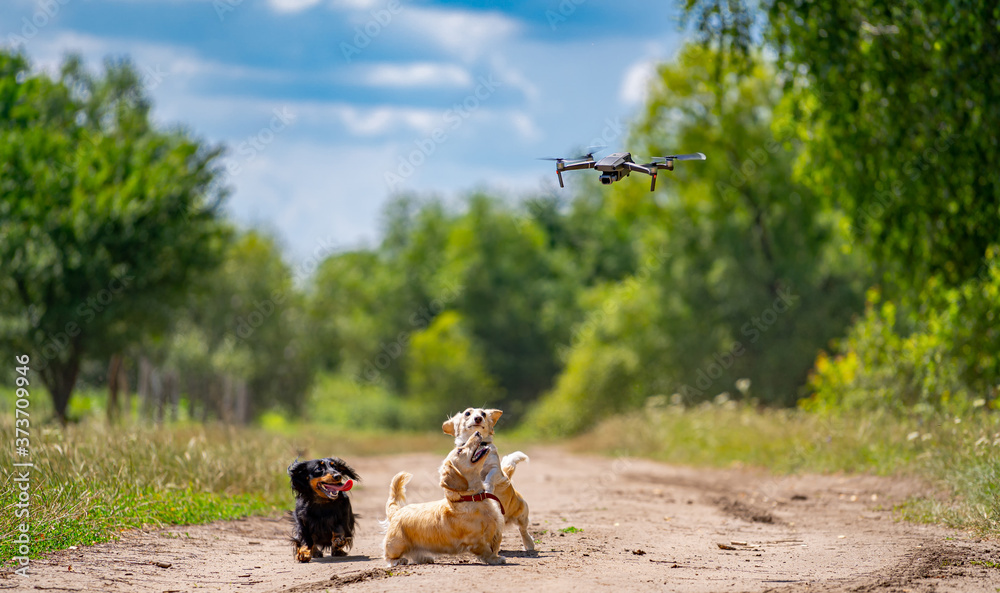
<point x="318" y="197"/>
<point x="421" y="74"/>
<point x="525" y="126"/>
<point x="356" y="4"/>
<point x="374" y="121"/>
<point x="172" y="61"/>
<point x="464" y="33"/>
<point x="292" y="6"/>
<point x="241" y="116"/>
<point x="513" y="77"/>
<point x="636" y="81"/>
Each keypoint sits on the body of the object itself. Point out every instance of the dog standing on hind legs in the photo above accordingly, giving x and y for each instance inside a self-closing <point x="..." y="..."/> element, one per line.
<point x="497" y="473"/>
<point x="465" y="521"/>
<point x="323" y="515"/>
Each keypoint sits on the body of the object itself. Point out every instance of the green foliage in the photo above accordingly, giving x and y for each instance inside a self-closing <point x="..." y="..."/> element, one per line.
<point x="905" y="128"/>
<point x="504" y="279"/>
<point x="898" y="108"/>
<point x="941" y="357"/>
<point x="515" y="297"/>
<point x="900" y="104"/>
<point x="364" y="305"/>
<point x="104" y="220"/>
<point x="244" y="323"/>
<point x="445" y="369"/>
<point x="603" y="372"/>
<point x="340" y="401"/>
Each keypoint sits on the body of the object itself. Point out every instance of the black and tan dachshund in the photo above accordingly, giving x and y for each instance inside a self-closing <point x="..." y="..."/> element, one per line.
<point x="323" y="514"/>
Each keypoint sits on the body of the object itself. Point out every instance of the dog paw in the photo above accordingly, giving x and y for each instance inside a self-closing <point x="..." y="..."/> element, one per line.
<point x="339" y="552"/>
<point x="303" y="554"/>
<point x="495" y="560"/>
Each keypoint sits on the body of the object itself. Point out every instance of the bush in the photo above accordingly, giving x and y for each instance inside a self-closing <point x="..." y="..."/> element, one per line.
<point x="940" y="354"/>
<point x="445" y="371"/>
<point x="604" y="373"/>
<point x="342" y="402"/>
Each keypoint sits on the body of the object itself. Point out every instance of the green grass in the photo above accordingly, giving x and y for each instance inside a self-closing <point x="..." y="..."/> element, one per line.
<point x="571" y="529"/>
<point x="90" y="481"/>
<point x="959" y="458"/>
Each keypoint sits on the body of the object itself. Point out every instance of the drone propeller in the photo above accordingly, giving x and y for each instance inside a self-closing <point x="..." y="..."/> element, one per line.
<point x="591" y="151"/>
<point x="695" y="156"/>
<point x="667" y="162"/>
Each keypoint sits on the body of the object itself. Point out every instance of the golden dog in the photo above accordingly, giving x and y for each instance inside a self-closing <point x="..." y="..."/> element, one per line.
<point x="466" y="521"/>
<point x="497" y="473"/>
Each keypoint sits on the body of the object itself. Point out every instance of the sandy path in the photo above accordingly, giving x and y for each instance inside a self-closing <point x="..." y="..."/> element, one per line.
<point x="642" y="526"/>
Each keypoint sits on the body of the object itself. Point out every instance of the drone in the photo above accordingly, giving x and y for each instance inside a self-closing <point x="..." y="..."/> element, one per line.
<point x="619" y="165"/>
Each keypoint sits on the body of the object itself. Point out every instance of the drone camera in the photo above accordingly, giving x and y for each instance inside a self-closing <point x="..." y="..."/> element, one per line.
<point x="609" y="177"/>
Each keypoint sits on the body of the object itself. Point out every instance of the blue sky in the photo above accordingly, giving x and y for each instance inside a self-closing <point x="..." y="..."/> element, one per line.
<point x="328" y="107"/>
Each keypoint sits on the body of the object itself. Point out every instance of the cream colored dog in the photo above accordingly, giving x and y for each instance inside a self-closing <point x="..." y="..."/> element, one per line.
<point x="466" y="521"/>
<point x="497" y="473"/>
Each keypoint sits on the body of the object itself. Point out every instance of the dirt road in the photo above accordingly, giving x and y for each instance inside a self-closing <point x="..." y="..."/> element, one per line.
<point x="602" y="525"/>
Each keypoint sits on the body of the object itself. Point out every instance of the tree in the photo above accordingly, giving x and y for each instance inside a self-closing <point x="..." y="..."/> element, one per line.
<point x="104" y="220"/>
<point x="900" y="104"/>
<point x="446" y="371"/>
<point x="244" y="326"/>
<point x="516" y="298"/>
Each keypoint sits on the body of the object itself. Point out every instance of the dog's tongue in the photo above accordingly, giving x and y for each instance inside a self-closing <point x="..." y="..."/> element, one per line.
<point x="345" y="486"/>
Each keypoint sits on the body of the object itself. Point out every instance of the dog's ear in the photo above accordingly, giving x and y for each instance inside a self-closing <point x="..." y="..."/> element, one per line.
<point x="449" y="426"/>
<point x="345" y="469"/>
<point x="298" y="472"/>
<point x="452" y="479"/>
<point x="494" y="415"/>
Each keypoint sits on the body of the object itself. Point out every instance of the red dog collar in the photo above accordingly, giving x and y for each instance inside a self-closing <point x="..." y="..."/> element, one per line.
<point x="481" y="497"/>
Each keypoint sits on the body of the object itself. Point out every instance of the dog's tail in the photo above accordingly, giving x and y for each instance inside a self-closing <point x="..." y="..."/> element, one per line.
<point x="509" y="463"/>
<point x="397" y="494"/>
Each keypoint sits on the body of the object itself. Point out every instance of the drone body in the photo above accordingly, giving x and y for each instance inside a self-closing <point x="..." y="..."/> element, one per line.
<point x="619" y="165"/>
